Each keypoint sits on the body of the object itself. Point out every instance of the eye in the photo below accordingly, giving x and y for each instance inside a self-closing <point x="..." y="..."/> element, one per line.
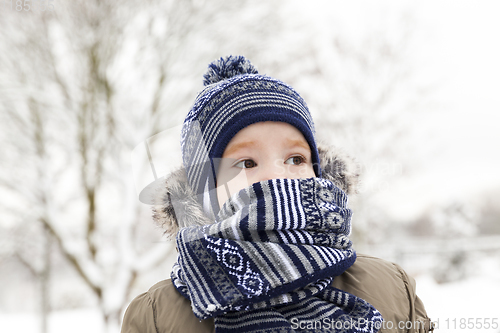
<point x="246" y="164"/>
<point x="295" y="160"/>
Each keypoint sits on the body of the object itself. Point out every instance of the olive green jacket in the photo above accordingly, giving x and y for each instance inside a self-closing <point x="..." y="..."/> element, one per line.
<point x="383" y="284"/>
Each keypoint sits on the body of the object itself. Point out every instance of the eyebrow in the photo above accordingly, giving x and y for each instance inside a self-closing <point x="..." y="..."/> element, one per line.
<point x="238" y="146"/>
<point x="298" y="143"/>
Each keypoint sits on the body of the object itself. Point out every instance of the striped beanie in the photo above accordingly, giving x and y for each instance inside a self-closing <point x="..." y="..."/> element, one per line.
<point x="235" y="96"/>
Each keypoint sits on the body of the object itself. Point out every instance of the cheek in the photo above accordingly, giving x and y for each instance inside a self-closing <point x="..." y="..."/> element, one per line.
<point x="307" y="172"/>
<point x="310" y="171"/>
<point x="302" y="171"/>
<point x="228" y="186"/>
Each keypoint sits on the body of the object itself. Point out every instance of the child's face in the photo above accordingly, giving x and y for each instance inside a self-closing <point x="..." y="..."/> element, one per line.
<point x="262" y="151"/>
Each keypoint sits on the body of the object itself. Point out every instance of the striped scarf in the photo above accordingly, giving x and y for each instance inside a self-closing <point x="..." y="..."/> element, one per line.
<point x="268" y="262"/>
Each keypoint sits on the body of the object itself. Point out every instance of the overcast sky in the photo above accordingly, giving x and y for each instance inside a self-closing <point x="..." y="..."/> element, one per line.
<point x="457" y="45"/>
<point x="464" y="50"/>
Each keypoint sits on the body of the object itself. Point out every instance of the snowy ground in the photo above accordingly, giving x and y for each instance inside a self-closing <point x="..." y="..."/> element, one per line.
<point x="74" y="321"/>
<point x="465" y="306"/>
<point x="454" y="306"/>
<point x="470" y="305"/>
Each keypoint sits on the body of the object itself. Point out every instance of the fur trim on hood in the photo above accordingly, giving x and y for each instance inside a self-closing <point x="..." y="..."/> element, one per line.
<point x="176" y="205"/>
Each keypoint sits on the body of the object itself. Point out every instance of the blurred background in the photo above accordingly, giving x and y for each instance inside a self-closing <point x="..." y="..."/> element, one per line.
<point x="409" y="89"/>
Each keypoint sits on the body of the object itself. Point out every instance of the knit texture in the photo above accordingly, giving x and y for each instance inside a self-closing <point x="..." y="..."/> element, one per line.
<point x="268" y="262"/>
<point x="235" y="97"/>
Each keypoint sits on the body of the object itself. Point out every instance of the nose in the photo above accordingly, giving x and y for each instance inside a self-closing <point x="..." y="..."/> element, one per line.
<point x="274" y="171"/>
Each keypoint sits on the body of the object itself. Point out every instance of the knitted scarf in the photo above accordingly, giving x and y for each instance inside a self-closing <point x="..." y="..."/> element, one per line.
<point x="268" y="262"/>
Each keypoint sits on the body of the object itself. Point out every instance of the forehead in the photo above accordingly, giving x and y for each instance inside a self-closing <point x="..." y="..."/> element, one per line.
<point x="266" y="133"/>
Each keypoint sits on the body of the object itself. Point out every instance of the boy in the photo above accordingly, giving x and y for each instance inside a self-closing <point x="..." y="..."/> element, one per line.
<point x="261" y="223"/>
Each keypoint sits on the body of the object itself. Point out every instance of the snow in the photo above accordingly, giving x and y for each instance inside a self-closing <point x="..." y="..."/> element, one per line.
<point x="454" y="305"/>
<point x="74" y="321"/>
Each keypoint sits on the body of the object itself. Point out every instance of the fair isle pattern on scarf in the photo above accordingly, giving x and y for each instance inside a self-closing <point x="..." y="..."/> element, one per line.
<point x="268" y="262"/>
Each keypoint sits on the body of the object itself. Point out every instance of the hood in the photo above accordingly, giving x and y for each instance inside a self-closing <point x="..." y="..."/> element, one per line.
<point x="176" y="205"/>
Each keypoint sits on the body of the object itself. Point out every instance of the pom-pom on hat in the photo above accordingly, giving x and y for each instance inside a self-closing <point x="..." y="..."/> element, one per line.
<point x="235" y="96"/>
<point x="226" y="68"/>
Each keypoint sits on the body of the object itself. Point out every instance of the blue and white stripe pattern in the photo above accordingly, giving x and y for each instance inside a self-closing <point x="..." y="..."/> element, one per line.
<point x="269" y="260"/>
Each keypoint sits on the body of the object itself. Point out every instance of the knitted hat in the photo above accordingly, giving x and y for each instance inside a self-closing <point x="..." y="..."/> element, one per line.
<point x="235" y="96"/>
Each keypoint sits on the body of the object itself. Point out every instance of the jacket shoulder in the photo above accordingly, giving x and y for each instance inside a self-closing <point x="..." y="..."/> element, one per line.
<point x="163" y="309"/>
<point x="383" y="284"/>
<point x="389" y="289"/>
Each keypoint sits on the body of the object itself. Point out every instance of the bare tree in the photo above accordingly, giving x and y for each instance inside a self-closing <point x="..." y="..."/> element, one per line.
<point x="79" y="87"/>
<point x="60" y="128"/>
